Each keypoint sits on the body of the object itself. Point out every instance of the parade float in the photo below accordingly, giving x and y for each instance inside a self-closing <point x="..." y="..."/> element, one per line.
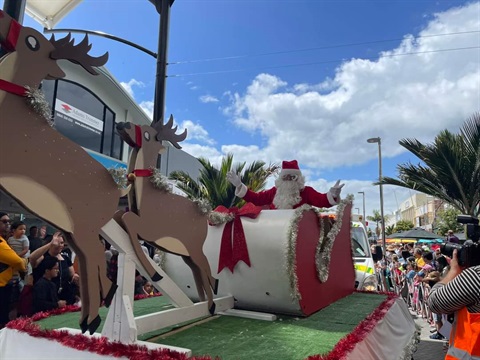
<point x="236" y="283"/>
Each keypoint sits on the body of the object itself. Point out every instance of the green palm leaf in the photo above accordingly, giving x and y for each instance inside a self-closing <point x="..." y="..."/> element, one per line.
<point x="450" y="168"/>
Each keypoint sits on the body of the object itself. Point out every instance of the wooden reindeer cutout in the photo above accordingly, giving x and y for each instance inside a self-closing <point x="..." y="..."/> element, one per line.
<point x="48" y="174"/>
<point x="167" y="221"/>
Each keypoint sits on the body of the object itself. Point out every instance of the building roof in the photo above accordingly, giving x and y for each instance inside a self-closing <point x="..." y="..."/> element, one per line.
<point x="49" y="12"/>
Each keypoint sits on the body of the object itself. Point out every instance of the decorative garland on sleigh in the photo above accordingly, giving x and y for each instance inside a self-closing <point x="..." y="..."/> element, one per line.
<point x="324" y="246"/>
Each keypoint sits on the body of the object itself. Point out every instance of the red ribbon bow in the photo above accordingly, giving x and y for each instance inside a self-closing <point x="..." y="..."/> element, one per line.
<point x="234" y="246"/>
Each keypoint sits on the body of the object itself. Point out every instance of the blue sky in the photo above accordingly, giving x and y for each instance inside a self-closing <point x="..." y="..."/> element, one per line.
<point x="298" y="93"/>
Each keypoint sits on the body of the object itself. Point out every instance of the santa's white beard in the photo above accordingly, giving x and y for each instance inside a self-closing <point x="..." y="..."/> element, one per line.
<point x="288" y="192"/>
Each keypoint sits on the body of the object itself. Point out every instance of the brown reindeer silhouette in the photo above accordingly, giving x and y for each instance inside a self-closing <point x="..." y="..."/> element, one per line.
<point x="167" y="221"/>
<point x="48" y="174"/>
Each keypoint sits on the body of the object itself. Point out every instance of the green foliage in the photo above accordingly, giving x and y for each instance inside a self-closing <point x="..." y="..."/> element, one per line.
<point x="449" y="168"/>
<point x="389" y="229"/>
<point x="403" y="225"/>
<point x="447" y="220"/>
<point x="212" y="184"/>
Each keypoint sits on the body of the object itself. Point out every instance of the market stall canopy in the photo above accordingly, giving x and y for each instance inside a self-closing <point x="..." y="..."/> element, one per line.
<point x="395" y="235"/>
<point x="49" y="12"/>
<point x="403" y="241"/>
<point x="417" y="233"/>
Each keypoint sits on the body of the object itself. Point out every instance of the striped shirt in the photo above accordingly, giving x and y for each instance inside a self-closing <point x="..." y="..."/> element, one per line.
<point x="462" y="291"/>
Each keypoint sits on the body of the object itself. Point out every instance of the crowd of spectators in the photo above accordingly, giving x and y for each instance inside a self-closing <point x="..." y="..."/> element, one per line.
<point x="411" y="270"/>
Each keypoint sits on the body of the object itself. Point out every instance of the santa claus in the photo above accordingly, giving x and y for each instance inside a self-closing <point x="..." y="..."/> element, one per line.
<point x="289" y="192"/>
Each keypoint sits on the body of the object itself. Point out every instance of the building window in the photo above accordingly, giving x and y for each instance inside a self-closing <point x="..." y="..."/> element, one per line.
<point x="82" y="117"/>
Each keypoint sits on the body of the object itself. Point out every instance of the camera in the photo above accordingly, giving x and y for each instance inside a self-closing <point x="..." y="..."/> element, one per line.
<point x="469" y="253"/>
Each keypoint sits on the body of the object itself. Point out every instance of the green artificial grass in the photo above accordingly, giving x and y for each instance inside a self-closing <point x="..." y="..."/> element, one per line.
<point x="232" y="338"/>
<point x="288" y="338"/>
<point x="140" y="307"/>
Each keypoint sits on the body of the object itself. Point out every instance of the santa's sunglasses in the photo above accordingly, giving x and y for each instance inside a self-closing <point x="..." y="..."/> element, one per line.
<point x="289" y="177"/>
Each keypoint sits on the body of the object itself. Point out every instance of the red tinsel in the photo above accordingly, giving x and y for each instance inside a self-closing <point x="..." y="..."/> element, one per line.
<point x="348" y="343"/>
<point x="99" y="345"/>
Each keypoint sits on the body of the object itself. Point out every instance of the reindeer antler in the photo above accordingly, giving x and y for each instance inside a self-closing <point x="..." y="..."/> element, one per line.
<point x="167" y="132"/>
<point x="78" y="54"/>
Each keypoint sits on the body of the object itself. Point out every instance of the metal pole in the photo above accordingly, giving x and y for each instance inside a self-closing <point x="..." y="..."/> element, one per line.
<point x="381" y="193"/>
<point x="161" y="76"/>
<point x="364" y="219"/>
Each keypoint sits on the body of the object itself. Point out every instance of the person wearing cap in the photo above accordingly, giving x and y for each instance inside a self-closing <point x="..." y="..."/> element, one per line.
<point x="289" y="192"/>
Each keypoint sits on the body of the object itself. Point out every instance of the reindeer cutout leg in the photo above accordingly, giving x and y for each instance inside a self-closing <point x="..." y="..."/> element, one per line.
<point x="209" y="282"/>
<point x="197" y="276"/>
<point x="202" y="262"/>
<point x="118" y="218"/>
<point x="84" y="294"/>
<point x="95" y="273"/>
<point x="132" y="223"/>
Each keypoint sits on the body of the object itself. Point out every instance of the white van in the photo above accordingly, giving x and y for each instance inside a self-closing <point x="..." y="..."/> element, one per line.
<point x="365" y="277"/>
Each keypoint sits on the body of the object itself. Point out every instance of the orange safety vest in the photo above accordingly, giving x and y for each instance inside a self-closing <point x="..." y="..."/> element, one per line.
<point x="465" y="336"/>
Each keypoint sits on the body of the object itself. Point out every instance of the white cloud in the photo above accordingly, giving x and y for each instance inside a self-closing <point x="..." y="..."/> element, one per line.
<point x="147" y="106"/>
<point x="208" y="152"/>
<point x="208" y="99"/>
<point x="128" y="86"/>
<point x="195" y="132"/>
<point x="326" y="125"/>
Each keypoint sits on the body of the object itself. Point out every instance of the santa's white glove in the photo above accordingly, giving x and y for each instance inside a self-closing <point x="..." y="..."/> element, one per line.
<point x="240" y="188"/>
<point x="234" y="179"/>
<point x="333" y="194"/>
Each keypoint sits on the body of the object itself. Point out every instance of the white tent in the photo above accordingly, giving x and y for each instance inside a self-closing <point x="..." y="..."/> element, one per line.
<point x="49" y="12"/>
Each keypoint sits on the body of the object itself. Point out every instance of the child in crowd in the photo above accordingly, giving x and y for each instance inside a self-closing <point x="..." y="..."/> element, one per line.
<point x="20" y="244"/>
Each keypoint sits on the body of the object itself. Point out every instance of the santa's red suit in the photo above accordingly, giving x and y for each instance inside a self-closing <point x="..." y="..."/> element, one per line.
<point x="300" y="194"/>
<point x="309" y="196"/>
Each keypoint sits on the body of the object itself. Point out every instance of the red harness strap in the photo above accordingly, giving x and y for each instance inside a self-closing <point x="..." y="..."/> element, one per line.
<point x="143" y="172"/>
<point x="12" y="88"/>
<point x="138" y="136"/>
<point x="10" y="42"/>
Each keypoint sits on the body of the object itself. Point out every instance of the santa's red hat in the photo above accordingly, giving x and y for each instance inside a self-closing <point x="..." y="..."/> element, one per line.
<point x="290" y="168"/>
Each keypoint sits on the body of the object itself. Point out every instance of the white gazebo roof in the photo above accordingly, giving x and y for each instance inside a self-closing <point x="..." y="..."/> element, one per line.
<point x="49" y="12"/>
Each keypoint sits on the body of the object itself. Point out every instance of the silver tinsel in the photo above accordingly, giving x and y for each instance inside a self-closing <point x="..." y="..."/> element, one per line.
<point x="323" y="257"/>
<point x="119" y="175"/>
<point x="163" y="259"/>
<point x="323" y="249"/>
<point x="37" y="102"/>
<point x="203" y="206"/>
<point x="412" y="345"/>
<point x="159" y="181"/>
<point x="218" y="218"/>
<point x="291" y="252"/>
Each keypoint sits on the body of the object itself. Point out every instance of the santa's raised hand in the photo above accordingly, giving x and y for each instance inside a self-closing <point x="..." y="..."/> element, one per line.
<point x="335" y="190"/>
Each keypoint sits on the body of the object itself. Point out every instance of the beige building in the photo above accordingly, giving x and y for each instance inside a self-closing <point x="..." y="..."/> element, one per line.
<point x="420" y="209"/>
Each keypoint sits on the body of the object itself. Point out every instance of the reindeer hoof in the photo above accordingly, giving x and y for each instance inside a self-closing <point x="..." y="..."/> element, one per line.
<point x="108" y="299"/>
<point x="84" y="325"/>
<point x="94" y="324"/>
<point x="212" y="309"/>
<point x="215" y="287"/>
<point x="157" y="277"/>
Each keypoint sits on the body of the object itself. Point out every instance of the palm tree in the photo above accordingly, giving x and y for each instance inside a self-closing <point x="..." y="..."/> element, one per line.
<point x="377" y="218"/>
<point x="450" y="170"/>
<point x="212" y="184"/>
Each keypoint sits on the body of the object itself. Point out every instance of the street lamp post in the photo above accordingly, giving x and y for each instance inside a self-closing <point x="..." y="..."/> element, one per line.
<point x="378" y="140"/>
<point x="364" y="219"/>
